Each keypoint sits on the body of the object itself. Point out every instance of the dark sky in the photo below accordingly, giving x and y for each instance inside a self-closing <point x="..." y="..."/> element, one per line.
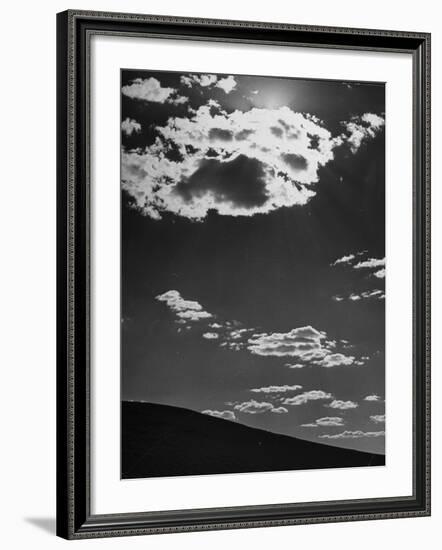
<point x="239" y="194"/>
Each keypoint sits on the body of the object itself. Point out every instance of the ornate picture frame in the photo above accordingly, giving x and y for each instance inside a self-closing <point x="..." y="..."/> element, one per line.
<point x="75" y="516"/>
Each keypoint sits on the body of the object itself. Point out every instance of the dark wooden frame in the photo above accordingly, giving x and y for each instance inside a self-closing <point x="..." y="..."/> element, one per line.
<point x="74" y="519"/>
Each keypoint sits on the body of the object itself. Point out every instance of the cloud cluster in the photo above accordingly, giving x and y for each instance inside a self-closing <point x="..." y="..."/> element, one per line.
<point x="375" y="294"/>
<point x="356" y="434"/>
<point x="343" y="405"/>
<point x="326" y="421"/>
<point x="277" y="389"/>
<point x="150" y="90"/>
<point x="235" y="164"/>
<point x="308" y="345"/>
<point x="259" y="407"/>
<point x="129" y="126"/>
<point x="375" y="266"/>
<point x="186" y="310"/>
<point x="227" y="415"/>
<point x="227" y="83"/>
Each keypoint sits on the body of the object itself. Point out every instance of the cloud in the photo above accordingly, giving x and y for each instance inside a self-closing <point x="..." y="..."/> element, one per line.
<point x="306" y="344"/>
<point x="362" y="128"/>
<point x="372" y="397"/>
<point x="227" y="84"/>
<point x="150" y="89"/>
<point x="186" y="310"/>
<point x="370" y="263"/>
<point x="366" y="295"/>
<point x="357" y="434"/>
<point x="336" y="360"/>
<point x="211" y="335"/>
<point x="230" y="163"/>
<point x="279" y="410"/>
<point x="344" y="260"/>
<point x="227" y="415"/>
<point x="302" y="398"/>
<point x="378" y="418"/>
<point x="326" y="421"/>
<point x="259" y="407"/>
<point x="203" y="80"/>
<point x="343" y="405"/>
<point x="277" y="389"/>
<point x="129" y="126"/>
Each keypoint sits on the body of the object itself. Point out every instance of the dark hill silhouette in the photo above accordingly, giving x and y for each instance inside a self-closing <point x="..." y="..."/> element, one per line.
<point x="161" y="440"/>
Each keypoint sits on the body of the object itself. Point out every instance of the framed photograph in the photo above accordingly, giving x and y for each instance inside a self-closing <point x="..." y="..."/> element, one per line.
<point x="243" y="274"/>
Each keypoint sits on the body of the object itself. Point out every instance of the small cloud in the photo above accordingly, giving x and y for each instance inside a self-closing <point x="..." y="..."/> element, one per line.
<point x="303" y="398"/>
<point x="227" y="84"/>
<point x="372" y="397"/>
<point x="276" y="389"/>
<point x="360" y="129"/>
<point x="129" y="126"/>
<point x="259" y="407"/>
<point x="370" y="263"/>
<point x="150" y="89"/>
<point x="307" y="344"/>
<point x="227" y="415"/>
<point x="336" y="360"/>
<point x="380" y="274"/>
<point x="343" y="405"/>
<point x="366" y="295"/>
<point x="344" y="260"/>
<point x="357" y="434"/>
<point x="326" y="421"/>
<point x="187" y="310"/>
<point x="203" y="80"/>
<point x="279" y="410"/>
<point x="378" y="418"/>
<point x="211" y="335"/>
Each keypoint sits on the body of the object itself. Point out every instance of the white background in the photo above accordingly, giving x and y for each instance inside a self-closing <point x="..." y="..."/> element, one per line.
<point x="109" y="493"/>
<point x="27" y="217"/>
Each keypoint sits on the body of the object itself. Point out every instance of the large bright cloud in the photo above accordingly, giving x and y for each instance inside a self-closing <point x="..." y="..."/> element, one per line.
<point x="237" y="164"/>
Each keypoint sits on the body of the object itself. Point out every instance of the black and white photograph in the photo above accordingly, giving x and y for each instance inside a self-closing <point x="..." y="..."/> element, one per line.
<point x="252" y="274"/>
